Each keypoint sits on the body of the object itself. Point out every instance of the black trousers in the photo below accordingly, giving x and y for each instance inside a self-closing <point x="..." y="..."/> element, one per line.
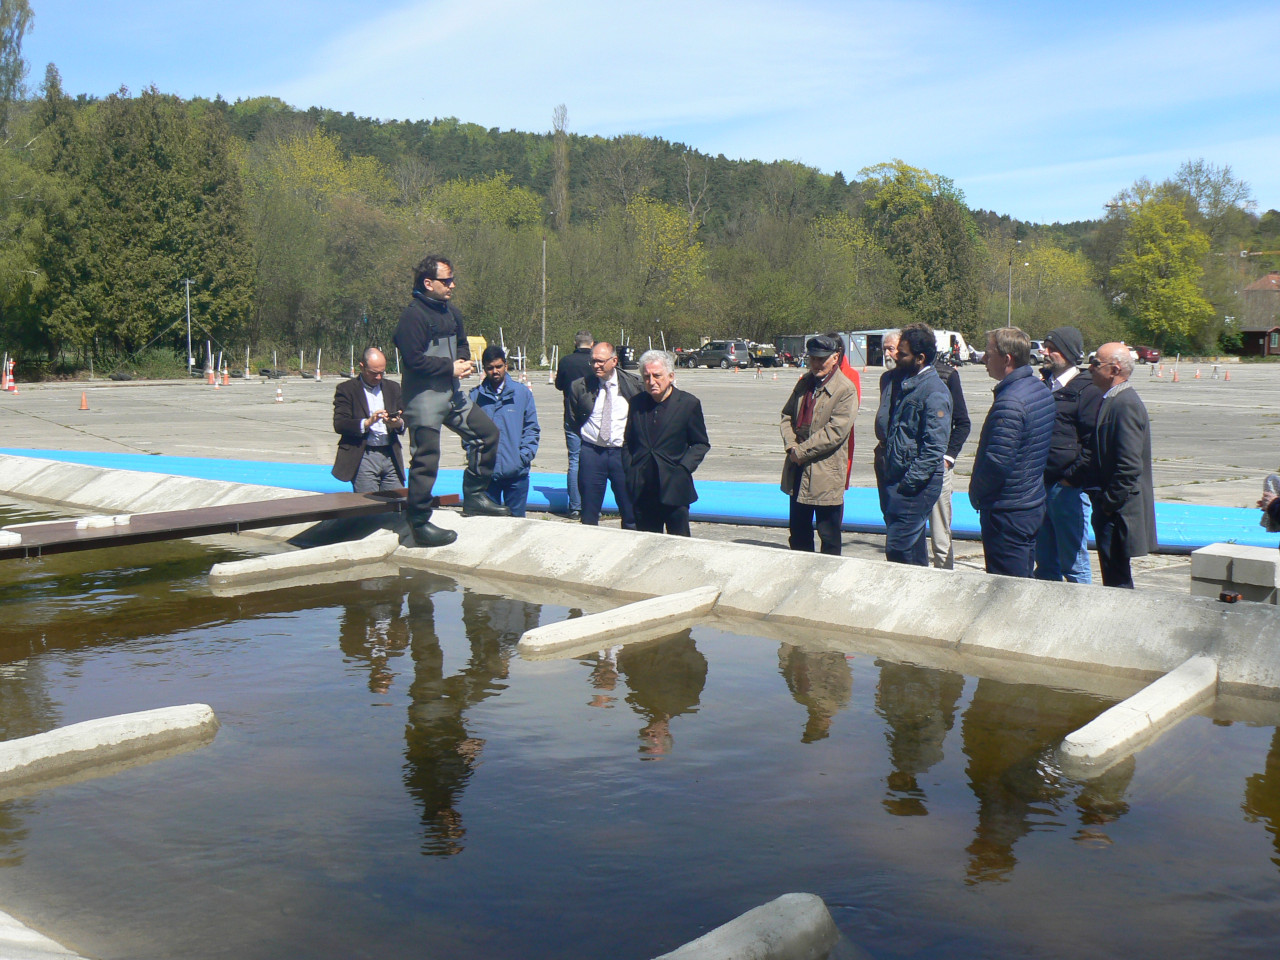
<point x="477" y="431"/>
<point x="1009" y="540"/>
<point x="803" y="518"/>
<point x="597" y="467"/>
<point x="652" y="515"/>
<point x="1113" y="549"/>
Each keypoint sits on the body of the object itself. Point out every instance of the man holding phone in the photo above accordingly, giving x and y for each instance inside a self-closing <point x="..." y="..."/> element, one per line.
<point x="367" y="417"/>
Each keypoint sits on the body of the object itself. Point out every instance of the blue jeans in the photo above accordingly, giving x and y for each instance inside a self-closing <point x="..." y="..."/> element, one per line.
<point x="511" y="491"/>
<point x="1062" y="545"/>
<point x="573" y="443"/>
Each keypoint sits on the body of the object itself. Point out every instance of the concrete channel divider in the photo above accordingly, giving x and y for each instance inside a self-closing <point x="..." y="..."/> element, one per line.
<point x="665" y="614"/>
<point x="372" y="549"/>
<point x="796" y="926"/>
<point x="1135" y="722"/>
<point x="81" y="748"/>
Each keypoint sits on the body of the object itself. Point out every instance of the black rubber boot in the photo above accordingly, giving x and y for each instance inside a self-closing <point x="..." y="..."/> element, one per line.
<point x="477" y="503"/>
<point x="427" y="534"/>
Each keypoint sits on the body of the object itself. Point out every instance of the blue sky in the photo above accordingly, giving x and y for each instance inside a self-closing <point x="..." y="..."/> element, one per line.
<point x="1040" y="110"/>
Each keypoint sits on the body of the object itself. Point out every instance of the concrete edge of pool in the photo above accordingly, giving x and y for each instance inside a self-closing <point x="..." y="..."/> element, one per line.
<point x="1109" y="633"/>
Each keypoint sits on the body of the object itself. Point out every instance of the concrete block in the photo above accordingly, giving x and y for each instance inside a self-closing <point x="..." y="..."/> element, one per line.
<point x="1136" y="721"/>
<point x="796" y="926"/>
<point x="1260" y="568"/>
<point x="1208" y="588"/>
<point x="1213" y="562"/>
<point x="673" y="612"/>
<point x="377" y="546"/>
<point x="72" y="749"/>
<point x="1247" y="591"/>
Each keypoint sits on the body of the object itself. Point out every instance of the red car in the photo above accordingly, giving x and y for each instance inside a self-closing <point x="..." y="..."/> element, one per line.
<point x="1147" y="354"/>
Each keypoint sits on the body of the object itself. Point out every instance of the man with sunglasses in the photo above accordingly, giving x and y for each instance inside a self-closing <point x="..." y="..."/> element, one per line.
<point x="509" y="404"/>
<point x="1124" y="505"/>
<point x="433" y="343"/>
<point x="600" y="402"/>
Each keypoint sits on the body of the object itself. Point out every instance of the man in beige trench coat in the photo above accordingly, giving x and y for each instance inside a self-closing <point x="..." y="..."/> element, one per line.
<point x="817" y="420"/>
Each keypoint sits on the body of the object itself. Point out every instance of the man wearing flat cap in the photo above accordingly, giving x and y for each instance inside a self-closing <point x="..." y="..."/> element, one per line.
<point x="1062" y="546"/>
<point x="817" y="420"/>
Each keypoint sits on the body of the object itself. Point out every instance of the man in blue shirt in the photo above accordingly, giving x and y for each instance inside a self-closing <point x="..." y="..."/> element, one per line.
<point x="509" y="404"/>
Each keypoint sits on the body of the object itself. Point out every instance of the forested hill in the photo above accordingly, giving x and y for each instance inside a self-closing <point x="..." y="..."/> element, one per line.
<point x="298" y="229"/>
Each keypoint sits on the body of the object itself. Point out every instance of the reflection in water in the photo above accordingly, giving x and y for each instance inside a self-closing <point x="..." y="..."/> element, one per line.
<point x="440" y="753"/>
<point x="820" y="681"/>
<point x="1262" y="796"/>
<point x="1010" y="732"/>
<point x="375" y="631"/>
<point x="25" y="710"/>
<point x="918" y="705"/>
<point x="665" y="678"/>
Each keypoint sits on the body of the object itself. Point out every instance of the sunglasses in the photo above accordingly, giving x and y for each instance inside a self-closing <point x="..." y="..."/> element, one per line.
<point x="447" y="281"/>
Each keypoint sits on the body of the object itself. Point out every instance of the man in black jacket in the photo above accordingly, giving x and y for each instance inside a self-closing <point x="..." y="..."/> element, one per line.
<point x="573" y="367"/>
<point x="600" y="404"/>
<point x="432" y="341"/>
<point x="366" y="415"/>
<point x="944" y="554"/>
<point x="1062" y="546"/>
<point x="665" y="442"/>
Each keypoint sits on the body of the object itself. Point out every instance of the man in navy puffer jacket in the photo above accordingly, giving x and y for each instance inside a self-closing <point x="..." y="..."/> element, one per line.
<point x="916" y="430"/>
<point x="1007" y="486"/>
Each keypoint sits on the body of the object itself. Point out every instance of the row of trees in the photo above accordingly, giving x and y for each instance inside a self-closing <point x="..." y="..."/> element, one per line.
<point x="300" y="229"/>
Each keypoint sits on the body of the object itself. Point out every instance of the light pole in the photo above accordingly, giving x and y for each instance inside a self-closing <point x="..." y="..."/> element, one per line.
<point x="1012" y="251"/>
<point x="544" y="300"/>
<point x="190" y="359"/>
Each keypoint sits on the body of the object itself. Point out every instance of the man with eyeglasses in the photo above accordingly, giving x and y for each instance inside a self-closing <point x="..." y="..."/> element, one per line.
<point x="600" y="402"/>
<point x="1124" y="505"/>
<point x="366" y="417"/>
<point x="509" y="404"/>
<point x="433" y="343"/>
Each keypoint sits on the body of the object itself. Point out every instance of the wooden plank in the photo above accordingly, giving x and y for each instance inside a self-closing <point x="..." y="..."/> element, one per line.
<point x="62" y="536"/>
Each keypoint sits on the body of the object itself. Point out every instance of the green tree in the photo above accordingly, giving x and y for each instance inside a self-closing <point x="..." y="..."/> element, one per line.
<point x="15" y="18"/>
<point x="1158" y="275"/>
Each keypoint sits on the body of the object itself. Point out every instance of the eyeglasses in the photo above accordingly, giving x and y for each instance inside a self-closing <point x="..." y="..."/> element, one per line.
<point x="447" y="281"/>
<point x="601" y="363"/>
<point x="1095" y="362"/>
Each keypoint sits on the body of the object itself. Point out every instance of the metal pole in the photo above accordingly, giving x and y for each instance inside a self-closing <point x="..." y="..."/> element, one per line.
<point x="190" y="359"/>
<point x="544" y="301"/>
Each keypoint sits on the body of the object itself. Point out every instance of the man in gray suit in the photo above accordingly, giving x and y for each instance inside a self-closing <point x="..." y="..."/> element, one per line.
<point x="1124" y="504"/>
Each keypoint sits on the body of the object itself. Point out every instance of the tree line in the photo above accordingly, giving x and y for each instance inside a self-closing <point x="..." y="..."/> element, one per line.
<point x="298" y="229"/>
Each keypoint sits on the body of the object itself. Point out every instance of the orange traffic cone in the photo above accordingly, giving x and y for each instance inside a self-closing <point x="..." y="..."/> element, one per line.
<point x="1228" y="375"/>
<point x="1160" y="370"/>
<point x="1197" y="373"/>
<point x="226" y="377"/>
<point x="1175" y="374"/>
<point x="84" y="400"/>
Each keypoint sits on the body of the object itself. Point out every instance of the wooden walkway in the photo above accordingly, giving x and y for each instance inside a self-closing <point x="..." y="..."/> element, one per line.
<point x="64" y="536"/>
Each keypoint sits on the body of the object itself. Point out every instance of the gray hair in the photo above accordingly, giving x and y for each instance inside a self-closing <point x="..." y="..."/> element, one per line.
<point x="667" y="360"/>
<point x="583" y="338"/>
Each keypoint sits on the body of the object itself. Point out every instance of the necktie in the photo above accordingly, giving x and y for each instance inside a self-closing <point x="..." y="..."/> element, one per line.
<point x="606" y="415"/>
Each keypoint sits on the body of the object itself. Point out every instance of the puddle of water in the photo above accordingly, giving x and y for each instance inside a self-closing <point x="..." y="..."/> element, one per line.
<point x="390" y="779"/>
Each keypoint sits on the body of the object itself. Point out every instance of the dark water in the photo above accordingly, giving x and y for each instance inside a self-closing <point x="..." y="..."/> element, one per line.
<point x="391" y="780"/>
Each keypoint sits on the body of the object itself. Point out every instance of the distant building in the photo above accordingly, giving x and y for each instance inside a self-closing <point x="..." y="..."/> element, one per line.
<point x="1260" y="329"/>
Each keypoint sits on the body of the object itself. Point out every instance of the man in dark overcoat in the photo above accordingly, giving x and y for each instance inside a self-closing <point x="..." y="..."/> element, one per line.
<point x="665" y="441"/>
<point x="1124" y="504"/>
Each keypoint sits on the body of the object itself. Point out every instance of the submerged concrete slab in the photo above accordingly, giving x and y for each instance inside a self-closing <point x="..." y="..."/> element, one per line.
<point x="80" y="747"/>
<point x="20" y="942"/>
<point x="1138" y="720"/>
<point x="673" y="611"/>
<point x="796" y="926"/>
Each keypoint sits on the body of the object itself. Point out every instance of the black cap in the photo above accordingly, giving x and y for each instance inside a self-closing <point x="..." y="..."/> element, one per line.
<point x="821" y="346"/>
<point x="1068" y="341"/>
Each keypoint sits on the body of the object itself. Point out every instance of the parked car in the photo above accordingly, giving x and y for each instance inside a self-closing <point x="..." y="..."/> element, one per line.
<point x="1148" y="354"/>
<point x="1037" y="352"/>
<point x="723" y="354"/>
